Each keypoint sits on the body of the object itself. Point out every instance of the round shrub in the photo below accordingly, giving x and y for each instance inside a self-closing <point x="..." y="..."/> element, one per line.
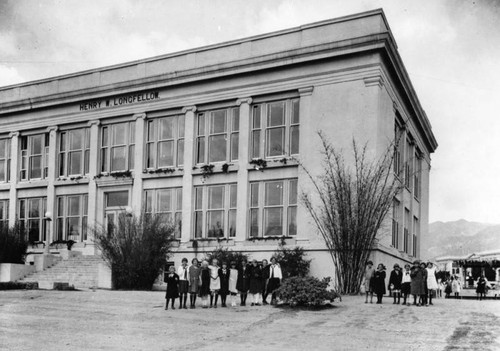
<point x="306" y="291"/>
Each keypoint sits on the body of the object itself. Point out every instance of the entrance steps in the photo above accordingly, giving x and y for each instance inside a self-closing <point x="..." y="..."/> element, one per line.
<point x="79" y="271"/>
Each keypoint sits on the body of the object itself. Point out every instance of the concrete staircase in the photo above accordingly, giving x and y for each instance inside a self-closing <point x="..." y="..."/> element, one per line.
<point x="80" y="271"/>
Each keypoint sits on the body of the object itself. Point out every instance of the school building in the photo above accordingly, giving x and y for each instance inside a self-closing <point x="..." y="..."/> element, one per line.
<point x="211" y="138"/>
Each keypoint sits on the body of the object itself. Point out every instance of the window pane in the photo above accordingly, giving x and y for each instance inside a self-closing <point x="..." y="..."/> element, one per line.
<point x="295" y="111"/>
<point x="233" y="196"/>
<point x="201" y="150"/>
<point x="150" y="155"/>
<point x="215" y="224"/>
<point x="3" y="148"/>
<point x="74" y="206"/>
<point x="2" y="171"/>
<point x="75" y="162"/>
<point x="36" y="167"/>
<point x="180" y="120"/>
<point x="199" y="198"/>
<point x="131" y="157"/>
<point x="76" y="139"/>
<point x="201" y="124"/>
<point x="256" y="144"/>
<point x="165" y="153"/>
<point x="234" y="146"/>
<point x="119" y="158"/>
<point x="235" y="125"/>
<point x="276" y="114"/>
<point x="275" y="141"/>
<point x="104" y="136"/>
<point x="73" y="228"/>
<point x="292" y="199"/>
<point x="198" y="221"/>
<point x="117" y="198"/>
<point x="34" y="229"/>
<point x="60" y="229"/>
<point x="232" y="223"/>
<point x="216" y="197"/>
<point x="164" y="201"/>
<point x="292" y="221"/>
<point x="151" y="131"/>
<point x="120" y="134"/>
<point x="217" y="148"/>
<point x="179" y="200"/>
<point x="36" y="144"/>
<point x="254" y="195"/>
<point x="254" y="222"/>
<point x="256" y="117"/>
<point x="274" y="194"/>
<point x="148" y="201"/>
<point x="85" y="204"/>
<point x="218" y="122"/>
<point x="33" y="208"/>
<point x="180" y="152"/>
<point x="167" y="128"/>
<point x="294" y="140"/>
<point x="273" y="221"/>
<point x="178" y="224"/>
<point x="131" y="128"/>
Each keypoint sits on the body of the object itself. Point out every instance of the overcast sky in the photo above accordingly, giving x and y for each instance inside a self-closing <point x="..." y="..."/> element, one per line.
<point x="451" y="50"/>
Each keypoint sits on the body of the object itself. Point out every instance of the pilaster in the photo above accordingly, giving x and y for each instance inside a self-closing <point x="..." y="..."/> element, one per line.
<point x="51" y="192"/>
<point x="140" y="122"/>
<point x="14" y="159"/>
<point x="93" y="171"/>
<point x="187" y="180"/>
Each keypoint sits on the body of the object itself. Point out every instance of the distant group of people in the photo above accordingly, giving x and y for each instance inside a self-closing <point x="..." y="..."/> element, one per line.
<point x="453" y="285"/>
<point x="418" y="280"/>
<point x="209" y="281"/>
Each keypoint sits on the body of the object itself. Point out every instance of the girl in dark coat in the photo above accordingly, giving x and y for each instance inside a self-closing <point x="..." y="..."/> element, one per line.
<point x="417" y="282"/>
<point x="379" y="282"/>
<point x="172" y="281"/>
<point x="395" y="283"/>
<point x="242" y="282"/>
<point x="205" y="283"/>
<point x="481" y="287"/>
<point x="255" y="283"/>
<point x="423" y="297"/>
<point x="224" y="283"/>
<point x="265" y="281"/>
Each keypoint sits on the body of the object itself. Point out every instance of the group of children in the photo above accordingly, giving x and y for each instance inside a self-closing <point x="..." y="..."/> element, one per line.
<point x="211" y="281"/>
<point x="418" y="280"/>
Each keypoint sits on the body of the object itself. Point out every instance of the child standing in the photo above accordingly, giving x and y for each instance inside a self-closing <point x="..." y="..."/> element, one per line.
<point x="406" y="284"/>
<point x="265" y="280"/>
<point x="183" y="283"/>
<point x="432" y="285"/>
<point x="481" y="287"/>
<point x="224" y="283"/>
<point x="194" y="281"/>
<point x="369" y="271"/>
<point x="205" y="283"/>
<point x="456" y="287"/>
<point x="275" y="276"/>
<point x="379" y="282"/>
<point x="242" y="282"/>
<point x="172" y="281"/>
<point x="214" y="282"/>
<point x="255" y="284"/>
<point x="395" y="283"/>
<point x="233" y="280"/>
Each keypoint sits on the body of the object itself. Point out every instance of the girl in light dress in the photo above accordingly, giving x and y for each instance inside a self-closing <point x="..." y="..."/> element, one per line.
<point x="214" y="282"/>
<point x="432" y="285"/>
<point x="456" y="287"/>
<point x="233" y="279"/>
<point x="369" y="272"/>
<point x="183" y="273"/>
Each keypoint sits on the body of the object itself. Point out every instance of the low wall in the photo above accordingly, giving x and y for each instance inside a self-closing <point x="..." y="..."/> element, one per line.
<point x="10" y="272"/>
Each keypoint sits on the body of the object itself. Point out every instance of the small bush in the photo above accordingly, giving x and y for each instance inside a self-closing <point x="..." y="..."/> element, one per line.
<point x="306" y="291"/>
<point x="18" y="286"/>
<point x="224" y="254"/>
<point x="13" y="244"/>
<point x="136" y="249"/>
<point x="292" y="261"/>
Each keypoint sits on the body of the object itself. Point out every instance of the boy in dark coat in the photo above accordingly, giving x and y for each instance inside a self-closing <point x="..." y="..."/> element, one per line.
<point x="172" y="281"/>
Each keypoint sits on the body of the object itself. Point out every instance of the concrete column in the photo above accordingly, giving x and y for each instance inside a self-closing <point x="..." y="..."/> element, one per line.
<point x="307" y="148"/>
<point x="14" y="174"/>
<point x="51" y="191"/>
<point x="187" y="179"/>
<point x="136" y="204"/>
<point x="93" y="171"/>
<point x="243" y="156"/>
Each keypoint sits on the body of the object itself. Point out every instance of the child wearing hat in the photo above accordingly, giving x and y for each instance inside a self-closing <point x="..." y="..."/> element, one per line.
<point x="395" y="283"/>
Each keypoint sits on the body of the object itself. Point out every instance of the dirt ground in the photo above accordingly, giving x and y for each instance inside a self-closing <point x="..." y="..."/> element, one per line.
<point x="131" y="320"/>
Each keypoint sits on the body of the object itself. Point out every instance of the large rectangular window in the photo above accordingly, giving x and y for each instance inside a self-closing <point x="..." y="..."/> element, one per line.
<point x="408" y="163"/>
<point x="4" y="212"/>
<point x="34" y="156"/>
<point x="74" y="152"/>
<point x="4" y="160"/>
<point x="416" y="235"/>
<point x="275" y="129"/>
<point x="407" y="226"/>
<point x="165" y="142"/>
<point x="273" y="208"/>
<point x="217" y="135"/>
<point x="166" y="203"/>
<point x="72" y="217"/>
<point x="395" y="223"/>
<point x="417" y="175"/>
<point x="117" y="147"/>
<point x="215" y="211"/>
<point x="398" y="149"/>
<point x="31" y="214"/>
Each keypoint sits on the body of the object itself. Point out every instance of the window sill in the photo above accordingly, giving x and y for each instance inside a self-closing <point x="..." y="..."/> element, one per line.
<point x="162" y="173"/>
<point x="271" y="240"/>
<point x="71" y="180"/>
<point x="218" y="168"/>
<point x="210" y="242"/>
<point x="32" y="183"/>
<point x="277" y="162"/>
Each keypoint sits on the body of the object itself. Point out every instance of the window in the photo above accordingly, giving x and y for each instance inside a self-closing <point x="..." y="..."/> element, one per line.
<point x="166" y="203"/>
<point x="398" y="146"/>
<point x="72" y="217"/>
<point x="275" y="129"/>
<point x="217" y="135"/>
<point x="416" y="235"/>
<point x="273" y="208"/>
<point x="406" y="239"/>
<point x="165" y="142"/>
<point x="4" y="212"/>
<point x="395" y="223"/>
<point x="215" y="211"/>
<point x="31" y="217"/>
<point x="34" y="156"/>
<point x="417" y="185"/>
<point x="408" y="163"/>
<point x="4" y="160"/>
<point x="117" y="147"/>
<point x="74" y="152"/>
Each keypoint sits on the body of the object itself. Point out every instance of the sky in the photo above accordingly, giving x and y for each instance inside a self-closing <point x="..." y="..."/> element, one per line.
<point x="451" y="50"/>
